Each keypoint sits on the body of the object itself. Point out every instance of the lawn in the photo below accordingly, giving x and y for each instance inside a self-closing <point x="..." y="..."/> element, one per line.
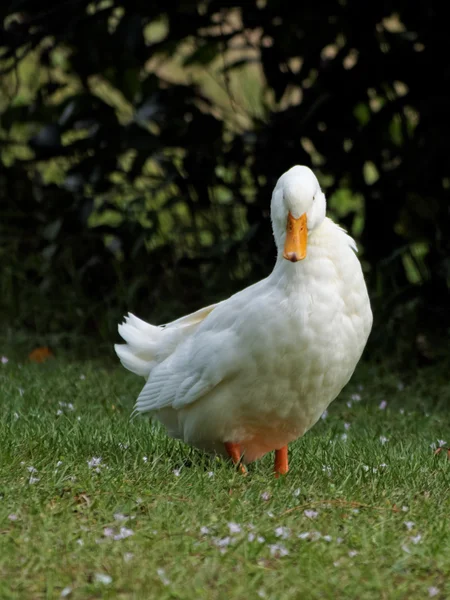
<point x="95" y="506"/>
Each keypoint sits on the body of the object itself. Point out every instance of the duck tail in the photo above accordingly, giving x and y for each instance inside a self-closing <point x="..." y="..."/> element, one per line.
<point x="139" y="354"/>
<point x="148" y="345"/>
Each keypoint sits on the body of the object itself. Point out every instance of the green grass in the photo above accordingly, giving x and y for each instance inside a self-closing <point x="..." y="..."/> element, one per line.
<point x="53" y="532"/>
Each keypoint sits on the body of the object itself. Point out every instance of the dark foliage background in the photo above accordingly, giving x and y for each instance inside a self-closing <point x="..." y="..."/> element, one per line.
<point x="140" y="142"/>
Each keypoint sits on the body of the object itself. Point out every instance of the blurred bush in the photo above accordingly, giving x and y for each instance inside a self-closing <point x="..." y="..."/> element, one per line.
<point x="140" y="143"/>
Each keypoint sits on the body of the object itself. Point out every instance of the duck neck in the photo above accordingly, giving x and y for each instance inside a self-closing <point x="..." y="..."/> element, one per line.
<point x="292" y="277"/>
<point x="286" y="270"/>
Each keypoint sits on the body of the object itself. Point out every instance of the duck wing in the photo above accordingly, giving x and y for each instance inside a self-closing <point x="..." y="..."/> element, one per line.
<point x="196" y="367"/>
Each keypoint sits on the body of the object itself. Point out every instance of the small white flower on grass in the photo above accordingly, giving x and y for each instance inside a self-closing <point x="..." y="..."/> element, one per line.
<point x="383" y="466"/>
<point x="384" y="439"/>
<point x="415" y="539"/>
<point x="353" y="553"/>
<point x="16" y="415"/>
<point x="296" y="492"/>
<point x="59" y="463"/>
<point x="344" y="437"/>
<point x="33" y="480"/>
<point x="103" y="578"/>
<point x="355" y="510"/>
<point x="176" y="472"/>
<point x="324" y="414"/>
<point x="382" y="405"/>
<point x="59" y="412"/>
<point x="304" y="536"/>
<point x="283" y="532"/>
<point x="222" y="542"/>
<point x="278" y="550"/>
<point x="96" y="461"/>
<point x="347" y="426"/>
<point x="4" y="360"/>
<point x="402" y="411"/>
<point x="234" y="527"/>
<point x="327" y="538"/>
<point x="210" y="474"/>
<point x="123" y="533"/>
<point x="145" y="459"/>
<point x="406" y="549"/>
<point x="162" y="575"/>
<point x="204" y="530"/>
<point x="108" y="532"/>
<point x="270" y="514"/>
<point x="433" y="591"/>
<point x="13" y="517"/>
<point x="123" y="446"/>
<point x="82" y="377"/>
<point x="128" y="557"/>
<point x="405" y="508"/>
<point x="260" y="539"/>
<point x="327" y="469"/>
<point x="65" y="592"/>
<point x="31" y="470"/>
<point x="265" y="496"/>
<point x="251" y="537"/>
<point x="349" y="404"/>
<point x="409" y="525"/>
<point x="339" y="540"/>
<point x="80" y="542"/>
<point x="120" y="517"/>
<point x="262" y="593"/>
<point x="438" y="444"/>
<point x="356" y="397"/>
<point x="311" y="514"/>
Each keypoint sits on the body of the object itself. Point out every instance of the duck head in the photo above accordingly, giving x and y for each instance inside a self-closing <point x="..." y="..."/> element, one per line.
<point x="298" y="206"/>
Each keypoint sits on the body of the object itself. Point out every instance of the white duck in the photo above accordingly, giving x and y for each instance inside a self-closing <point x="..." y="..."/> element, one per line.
<point x="256" y="371"/>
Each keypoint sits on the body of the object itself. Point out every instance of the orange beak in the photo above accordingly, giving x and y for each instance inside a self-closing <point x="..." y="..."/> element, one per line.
<point x="296" y="238"/>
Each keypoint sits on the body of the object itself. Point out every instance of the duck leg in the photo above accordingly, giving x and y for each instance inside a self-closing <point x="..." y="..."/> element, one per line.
<point x="439" y="450"/>
<point x="281" y="461"/>
<point x="234" y="452"/>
